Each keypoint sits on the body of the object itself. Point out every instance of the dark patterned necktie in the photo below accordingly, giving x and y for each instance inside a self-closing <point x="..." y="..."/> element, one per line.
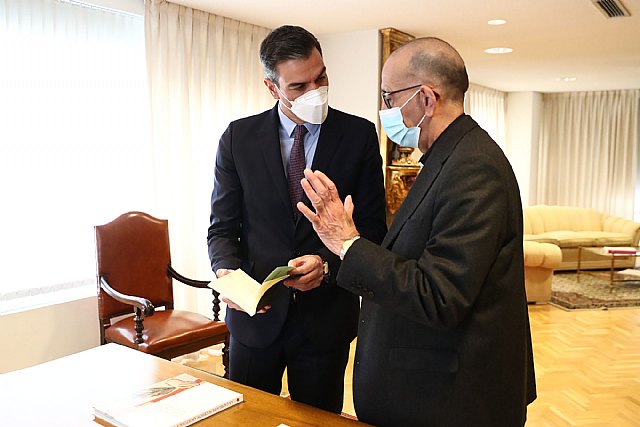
<point x="295" y="169"/>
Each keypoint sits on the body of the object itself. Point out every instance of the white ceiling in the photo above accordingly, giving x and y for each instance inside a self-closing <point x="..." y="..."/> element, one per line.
<point x="550" y="38"/>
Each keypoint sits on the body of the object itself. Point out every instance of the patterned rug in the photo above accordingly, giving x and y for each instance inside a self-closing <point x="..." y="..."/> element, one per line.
<point x="592" y="291"/>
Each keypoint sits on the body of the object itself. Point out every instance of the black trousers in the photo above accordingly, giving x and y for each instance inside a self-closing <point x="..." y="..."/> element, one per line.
<point x="315" y="375"/>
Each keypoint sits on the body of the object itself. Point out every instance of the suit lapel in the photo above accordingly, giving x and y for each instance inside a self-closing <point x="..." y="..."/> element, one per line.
<point x="269" y="138"/>
<point x="328" y="143"/>
<point x="441" y="150"/>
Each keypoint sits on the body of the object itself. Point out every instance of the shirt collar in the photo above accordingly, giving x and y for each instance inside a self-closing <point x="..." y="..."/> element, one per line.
<point x="289" y="125"/>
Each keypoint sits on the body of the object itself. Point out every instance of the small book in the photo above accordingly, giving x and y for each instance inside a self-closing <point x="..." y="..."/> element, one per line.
<point x="620" y="249"/>
<point x="243" y="290"/>
<point x="175" y="402"/>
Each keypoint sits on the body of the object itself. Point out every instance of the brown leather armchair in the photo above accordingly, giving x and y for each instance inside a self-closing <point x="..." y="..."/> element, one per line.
<point x="135" y="274"/>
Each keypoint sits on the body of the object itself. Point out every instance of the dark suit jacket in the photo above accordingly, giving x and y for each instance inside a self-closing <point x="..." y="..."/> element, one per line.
<point x="444" y="335"/>
<point x="252" y="224"/>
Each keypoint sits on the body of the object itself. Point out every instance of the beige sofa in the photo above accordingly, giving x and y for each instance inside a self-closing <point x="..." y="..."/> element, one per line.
<point x="572" y="227"/>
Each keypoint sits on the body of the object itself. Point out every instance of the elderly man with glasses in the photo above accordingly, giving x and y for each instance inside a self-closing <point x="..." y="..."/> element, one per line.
<point x="443" y="338"/>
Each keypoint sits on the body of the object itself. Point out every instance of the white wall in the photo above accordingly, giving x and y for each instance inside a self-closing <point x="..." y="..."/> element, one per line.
<point x="39" y="335"/>
<point x="353" y="66"/>
<point x="521" y="147"/>
<point x="353" y="61"/>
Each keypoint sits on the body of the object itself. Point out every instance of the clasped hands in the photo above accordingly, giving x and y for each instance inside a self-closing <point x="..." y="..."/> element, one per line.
<point x="332" y="221"/>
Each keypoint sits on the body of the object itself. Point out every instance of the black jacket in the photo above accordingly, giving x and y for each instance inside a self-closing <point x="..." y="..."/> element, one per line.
<point x="444" y="336"/>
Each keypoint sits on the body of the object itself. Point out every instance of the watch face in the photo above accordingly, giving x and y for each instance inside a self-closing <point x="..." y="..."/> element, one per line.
<point x="325" y="266"/>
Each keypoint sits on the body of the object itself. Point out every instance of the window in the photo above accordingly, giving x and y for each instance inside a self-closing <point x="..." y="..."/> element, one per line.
<point x="75" y="148"/>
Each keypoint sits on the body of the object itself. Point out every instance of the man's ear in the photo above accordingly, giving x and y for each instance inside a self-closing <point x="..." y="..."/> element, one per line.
<point x="272" y="88"/>
<point x="430" y="101"/>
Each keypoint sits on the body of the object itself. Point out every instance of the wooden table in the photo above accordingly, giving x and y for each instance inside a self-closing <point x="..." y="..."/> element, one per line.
<point x="62" y="392"/>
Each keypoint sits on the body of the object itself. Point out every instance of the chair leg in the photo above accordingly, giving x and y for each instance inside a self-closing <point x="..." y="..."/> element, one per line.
<point x="139" y="327"/>
<point x="225" y="357"/>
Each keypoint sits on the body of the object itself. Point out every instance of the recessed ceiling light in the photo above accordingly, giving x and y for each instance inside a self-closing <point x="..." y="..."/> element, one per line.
<point x="567" y="79"/>
<point x="498" y="50"/>
<point x="497" y="22"/>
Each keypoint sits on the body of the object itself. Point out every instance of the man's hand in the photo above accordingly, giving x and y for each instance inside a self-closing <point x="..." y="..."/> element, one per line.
<point x="332" y="220"/>
<point x="223" y="272"/>
<point x="307" y="273"/>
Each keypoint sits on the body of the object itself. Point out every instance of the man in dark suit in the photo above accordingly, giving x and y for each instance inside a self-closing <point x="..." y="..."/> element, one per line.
<point x="255" y="226"/>
<point x="444" y="336"/>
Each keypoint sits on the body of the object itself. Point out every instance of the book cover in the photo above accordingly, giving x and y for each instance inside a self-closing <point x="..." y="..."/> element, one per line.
<point x="175" y="402"/>
<point x="243" y="290"/>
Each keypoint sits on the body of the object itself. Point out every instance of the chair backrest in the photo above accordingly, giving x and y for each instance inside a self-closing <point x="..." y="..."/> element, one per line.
<point x="132" y="255"/>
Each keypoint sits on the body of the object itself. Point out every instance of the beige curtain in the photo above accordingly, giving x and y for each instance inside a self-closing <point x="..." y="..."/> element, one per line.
<point x="588" y="152"/>
<point x="487" y="107"/>
<point x="203" y="71"/>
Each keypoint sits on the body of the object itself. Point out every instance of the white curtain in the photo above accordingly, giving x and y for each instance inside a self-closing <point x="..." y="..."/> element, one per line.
<point x="588" y="152"/>
<point x="488" y="108"/>
<point x="204" y="71"/>
<point x="74" y="144"/>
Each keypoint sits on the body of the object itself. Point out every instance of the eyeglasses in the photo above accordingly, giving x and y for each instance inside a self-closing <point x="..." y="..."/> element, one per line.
<point x="387" y="101"/>
<point x="386" y="95"/>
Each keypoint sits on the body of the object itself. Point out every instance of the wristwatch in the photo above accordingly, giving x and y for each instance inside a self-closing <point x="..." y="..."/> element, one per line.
<point x="325" y="270"/>
<point x="346" y="245"/>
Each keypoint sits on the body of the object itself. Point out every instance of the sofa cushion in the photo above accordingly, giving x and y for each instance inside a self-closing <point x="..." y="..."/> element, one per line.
<point x="565" y="238"/>
<point x="574" y="239"/>
<point x="544" y="218"/>
<point x="537" y="238"/>
<point x="604" y="238"/>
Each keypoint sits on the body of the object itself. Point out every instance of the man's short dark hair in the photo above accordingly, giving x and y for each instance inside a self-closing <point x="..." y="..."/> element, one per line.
<point x="285" y="43"/>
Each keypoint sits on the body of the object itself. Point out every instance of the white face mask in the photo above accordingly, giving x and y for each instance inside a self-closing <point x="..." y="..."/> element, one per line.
<point x="312" y="106"/>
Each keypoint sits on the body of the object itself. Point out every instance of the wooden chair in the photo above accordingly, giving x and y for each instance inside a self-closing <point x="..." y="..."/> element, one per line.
<point x="134" y="271"/>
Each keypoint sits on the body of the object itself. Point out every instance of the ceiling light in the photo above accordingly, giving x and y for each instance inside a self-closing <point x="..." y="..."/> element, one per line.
<point x="567" y="79"/>
<point x="498" y="50"/>
<point x="497" y="22"/>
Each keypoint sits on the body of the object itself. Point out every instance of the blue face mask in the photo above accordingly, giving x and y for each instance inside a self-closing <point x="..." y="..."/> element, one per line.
<point x="393" y="125"/>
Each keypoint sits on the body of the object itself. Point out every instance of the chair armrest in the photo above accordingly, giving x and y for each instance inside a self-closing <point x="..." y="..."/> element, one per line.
<point x="143" y="304"/>
<point x="202" y="284"/>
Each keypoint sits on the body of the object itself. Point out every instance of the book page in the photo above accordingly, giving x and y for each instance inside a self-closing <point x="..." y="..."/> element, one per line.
<point x="243" y="290"/>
